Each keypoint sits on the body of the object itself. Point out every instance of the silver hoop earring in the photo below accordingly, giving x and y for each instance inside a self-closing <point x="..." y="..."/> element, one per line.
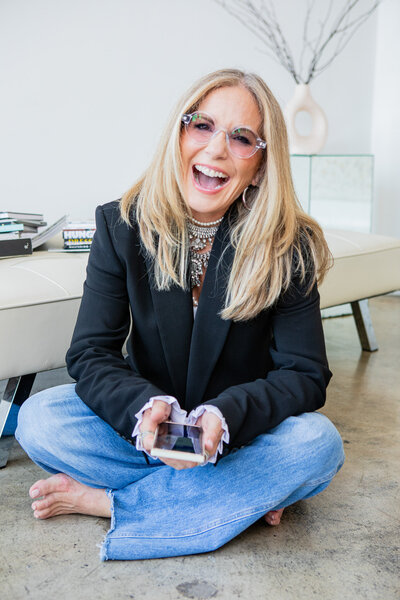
<point x="244" y="198"/>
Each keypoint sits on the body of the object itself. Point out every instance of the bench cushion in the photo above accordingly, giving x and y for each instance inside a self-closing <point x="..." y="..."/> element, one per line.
<point x="39" y="301"/>
<point x="365" y="265"/>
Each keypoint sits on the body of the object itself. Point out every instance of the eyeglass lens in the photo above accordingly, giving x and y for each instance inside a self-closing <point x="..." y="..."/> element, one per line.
<point x="242" y="141"/>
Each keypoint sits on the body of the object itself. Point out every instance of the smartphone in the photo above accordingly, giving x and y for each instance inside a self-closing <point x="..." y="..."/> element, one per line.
<point x="179" y="442"/>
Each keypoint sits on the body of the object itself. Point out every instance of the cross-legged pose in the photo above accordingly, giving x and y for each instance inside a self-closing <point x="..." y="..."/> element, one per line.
<point x="207" y="268"/>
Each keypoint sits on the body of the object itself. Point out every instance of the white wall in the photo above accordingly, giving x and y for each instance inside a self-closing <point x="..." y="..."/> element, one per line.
<point x="386" y="120"/>
<point x="87" y="85"/>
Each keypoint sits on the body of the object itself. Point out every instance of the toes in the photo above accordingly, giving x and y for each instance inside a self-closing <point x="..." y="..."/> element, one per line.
<point x="273" y="517"/>
<point x="52" y="501"/>
<point x="41" y="511"/>
<point x="41" y="504"/>
<point x="58" y="482"/>
<point x="34" y="490"/>
<point x="41" y="514"/>
<point x="45" y="514"/>
<point x="271" y="520"/>
<point x="51" y="511"/>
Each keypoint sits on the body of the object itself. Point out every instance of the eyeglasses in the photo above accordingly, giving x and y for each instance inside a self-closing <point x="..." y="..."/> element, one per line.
<point x="242" y="141"/>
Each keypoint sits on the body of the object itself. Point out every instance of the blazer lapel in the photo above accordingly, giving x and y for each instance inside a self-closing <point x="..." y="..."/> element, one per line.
<point x="174" y="315"/>
<point x="209" y="330"/>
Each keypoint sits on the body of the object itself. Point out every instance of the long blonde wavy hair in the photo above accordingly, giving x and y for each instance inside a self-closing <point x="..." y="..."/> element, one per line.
<point x="275" y="234"/>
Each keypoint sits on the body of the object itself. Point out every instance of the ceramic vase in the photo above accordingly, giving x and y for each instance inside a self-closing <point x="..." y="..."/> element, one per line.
<point x="315" y="141"/>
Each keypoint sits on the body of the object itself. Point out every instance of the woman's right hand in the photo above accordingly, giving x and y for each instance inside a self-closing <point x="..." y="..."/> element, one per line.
<point x="152" y="417"/>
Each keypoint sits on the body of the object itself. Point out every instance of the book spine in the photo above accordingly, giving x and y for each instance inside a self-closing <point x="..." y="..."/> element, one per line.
<point x="11" y="227"/>
<point x="80" y="244"/>
<point x="15" y="235"/>
<point x="69" y="234"/>
<point x="15" y="247"/>
<point x="21" y="216"/>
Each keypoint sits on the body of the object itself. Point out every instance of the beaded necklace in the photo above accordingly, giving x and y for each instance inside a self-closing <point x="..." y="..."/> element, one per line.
<point x="200" y="234"/>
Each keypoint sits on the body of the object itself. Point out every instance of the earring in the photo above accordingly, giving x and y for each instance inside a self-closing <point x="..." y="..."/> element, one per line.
<point x="244" y="198"/>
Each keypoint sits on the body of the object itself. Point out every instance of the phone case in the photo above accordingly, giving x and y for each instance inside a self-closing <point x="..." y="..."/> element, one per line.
<point x="176" y="455"/>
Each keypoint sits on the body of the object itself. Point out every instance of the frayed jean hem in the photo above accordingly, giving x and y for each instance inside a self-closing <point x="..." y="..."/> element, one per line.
<point x="104" y="545"/>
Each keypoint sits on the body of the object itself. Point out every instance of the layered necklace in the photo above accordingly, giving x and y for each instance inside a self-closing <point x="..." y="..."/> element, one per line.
<point x="200" y="235"/>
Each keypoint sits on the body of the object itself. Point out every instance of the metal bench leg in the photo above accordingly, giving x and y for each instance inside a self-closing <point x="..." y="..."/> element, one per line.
<point x="17" y="391"/>
<point x="364" y="325"/>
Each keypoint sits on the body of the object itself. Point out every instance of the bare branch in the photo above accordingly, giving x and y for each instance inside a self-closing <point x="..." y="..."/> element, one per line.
<point x="262" y="21"/>
<point x="310" y="6"/>
<point x="264" y="28"/>
<point x="345" y="30"/>
<point x="342" y="44"/>
<point x="322" y="25"/>
<point x="283" y="43"/>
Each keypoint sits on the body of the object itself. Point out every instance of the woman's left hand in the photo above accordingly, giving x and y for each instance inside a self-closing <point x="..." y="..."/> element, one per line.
<point x="212" y="431"/>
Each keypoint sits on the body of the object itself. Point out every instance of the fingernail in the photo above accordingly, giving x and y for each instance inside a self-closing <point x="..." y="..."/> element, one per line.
<point x="34" y="493"/>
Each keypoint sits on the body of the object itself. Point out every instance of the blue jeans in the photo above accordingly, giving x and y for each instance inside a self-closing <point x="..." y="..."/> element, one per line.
<point x="158" y="511"/>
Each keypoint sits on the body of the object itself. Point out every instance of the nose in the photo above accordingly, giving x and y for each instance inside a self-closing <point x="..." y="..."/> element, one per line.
<point x="218" y="144"/>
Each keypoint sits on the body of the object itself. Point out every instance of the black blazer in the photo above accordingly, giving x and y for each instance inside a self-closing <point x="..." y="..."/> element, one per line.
<point x="257" y="372"/>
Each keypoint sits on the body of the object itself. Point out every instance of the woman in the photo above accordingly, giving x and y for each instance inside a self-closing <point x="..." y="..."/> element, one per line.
<point x="214" y="263"/>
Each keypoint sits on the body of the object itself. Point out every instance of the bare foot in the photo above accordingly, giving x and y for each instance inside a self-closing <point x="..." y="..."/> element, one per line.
<point x="62" y="495"/>
<point x="273" y="517"/>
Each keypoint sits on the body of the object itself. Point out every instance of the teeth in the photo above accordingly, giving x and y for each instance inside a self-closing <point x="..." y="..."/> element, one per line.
<point x="210" y="172"/>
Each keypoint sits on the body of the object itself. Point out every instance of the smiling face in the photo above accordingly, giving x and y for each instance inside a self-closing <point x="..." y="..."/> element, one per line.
<point x="213" y="177"/>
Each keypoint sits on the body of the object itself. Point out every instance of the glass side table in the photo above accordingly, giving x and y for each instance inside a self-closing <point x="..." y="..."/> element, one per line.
<point x="335" y="189"/>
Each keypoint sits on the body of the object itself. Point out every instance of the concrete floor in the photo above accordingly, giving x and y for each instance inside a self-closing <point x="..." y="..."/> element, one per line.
<point x="342" y="544"/>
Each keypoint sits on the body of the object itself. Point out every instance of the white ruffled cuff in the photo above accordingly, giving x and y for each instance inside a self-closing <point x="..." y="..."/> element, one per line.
<point x="196" y="414"/>
<point x="178" y="415"/>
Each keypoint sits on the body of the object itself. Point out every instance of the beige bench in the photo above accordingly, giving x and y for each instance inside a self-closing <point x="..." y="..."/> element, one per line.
<point x="40" y="297"/>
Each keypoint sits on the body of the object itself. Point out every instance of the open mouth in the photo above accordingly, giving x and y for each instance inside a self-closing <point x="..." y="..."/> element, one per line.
<point x="209" y="179"/>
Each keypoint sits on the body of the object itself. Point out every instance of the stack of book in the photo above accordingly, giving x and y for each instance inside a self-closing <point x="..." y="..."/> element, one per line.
<point x="78" y="236"/>
<point x="21" y="233"/>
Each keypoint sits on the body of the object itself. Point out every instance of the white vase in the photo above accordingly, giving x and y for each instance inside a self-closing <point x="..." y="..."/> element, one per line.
<point x="303" y="101"/>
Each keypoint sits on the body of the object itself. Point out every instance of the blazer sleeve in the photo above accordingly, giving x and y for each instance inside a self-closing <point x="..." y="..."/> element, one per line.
<point x="296" y="384"/>
<point x="105" y="381"/>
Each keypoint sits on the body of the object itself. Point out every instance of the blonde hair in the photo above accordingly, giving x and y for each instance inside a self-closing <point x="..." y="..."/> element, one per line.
<point x="275" y="234"/>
